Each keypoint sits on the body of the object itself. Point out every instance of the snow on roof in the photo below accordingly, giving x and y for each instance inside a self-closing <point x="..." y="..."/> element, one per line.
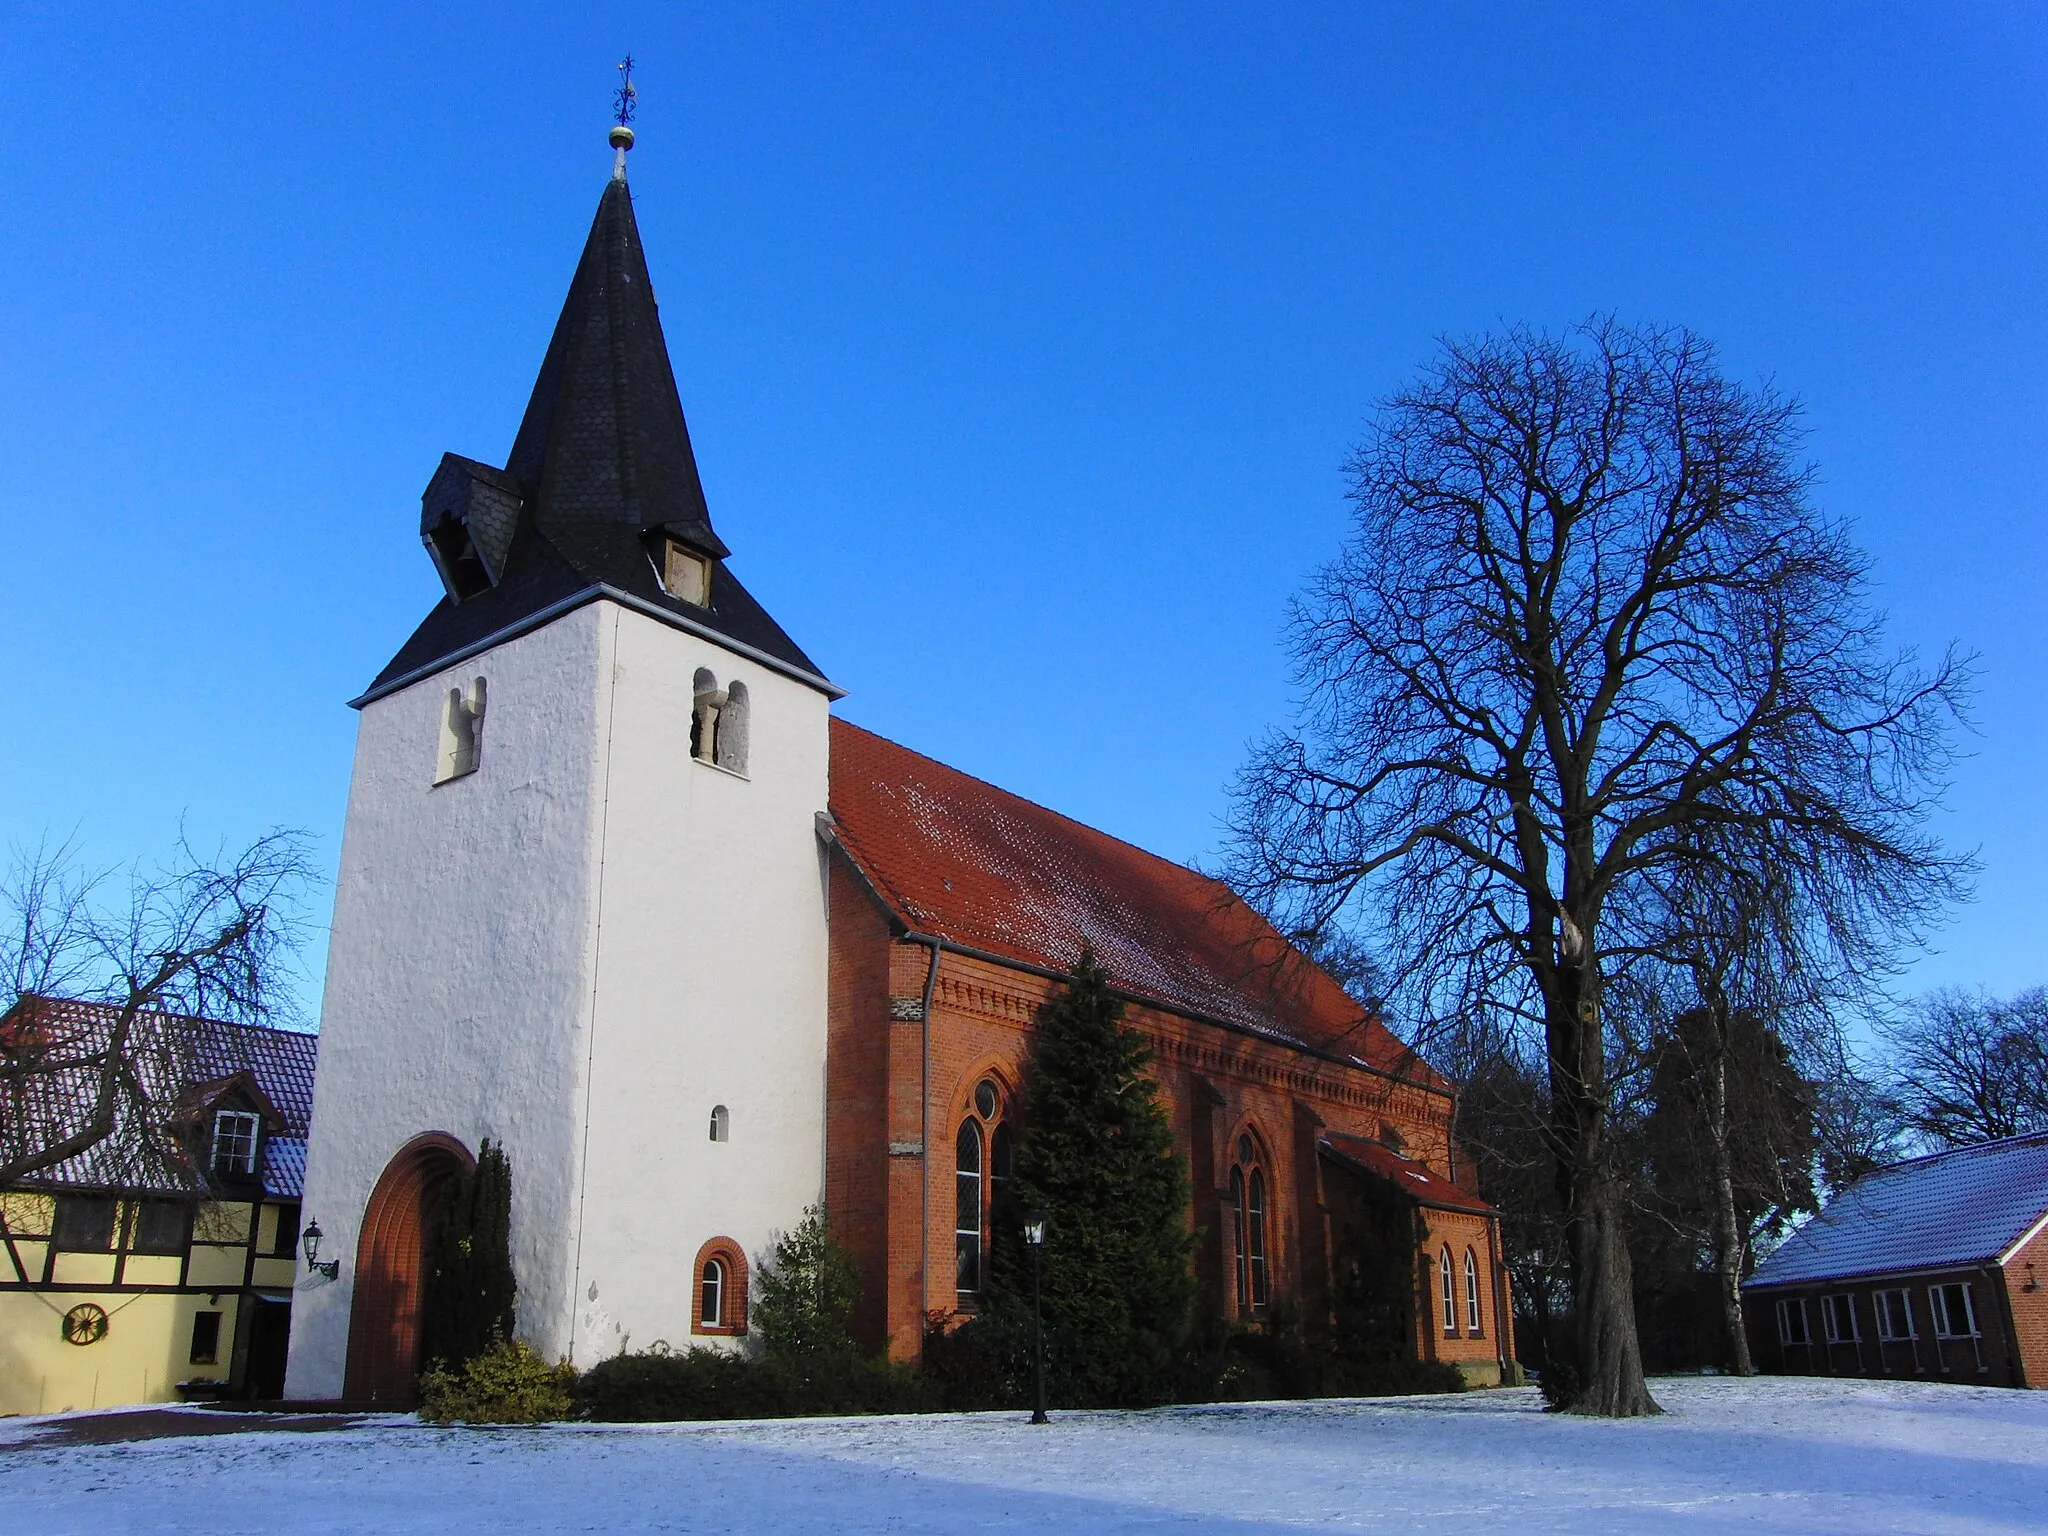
<point x="1965" y="1206"/>
<point x="1412" y="1178"/>
<point x="179" y="1060"/>
<point x="958" y="858"/>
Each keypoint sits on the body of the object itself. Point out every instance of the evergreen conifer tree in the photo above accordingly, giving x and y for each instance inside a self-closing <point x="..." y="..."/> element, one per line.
<point x="1096" y="1155"/>
<point x="470" y="1288"/>
<point x="804" y="1294"/>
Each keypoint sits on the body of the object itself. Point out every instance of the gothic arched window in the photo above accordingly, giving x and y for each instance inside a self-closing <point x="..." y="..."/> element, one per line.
<point x="1248" y="1228"/>
<point x="1449" y="1279"/>
<point x="1471" y="1293"/>
<point x="967" y="1198"/>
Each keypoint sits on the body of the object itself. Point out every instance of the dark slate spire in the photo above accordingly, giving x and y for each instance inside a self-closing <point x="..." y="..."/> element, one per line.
<point x="601" y="484"/>
<point x="604" y="441"/>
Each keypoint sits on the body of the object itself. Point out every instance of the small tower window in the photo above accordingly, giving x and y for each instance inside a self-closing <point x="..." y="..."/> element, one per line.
<point x="718" y="723"/>
<point x="721" y="1123"/>
<point x="462" y="731"/>
<point x="685" y="574"/>
<point x="729" y="751"/>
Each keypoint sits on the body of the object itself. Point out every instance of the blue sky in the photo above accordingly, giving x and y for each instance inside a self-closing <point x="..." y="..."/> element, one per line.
<point x="1021" y="347"/>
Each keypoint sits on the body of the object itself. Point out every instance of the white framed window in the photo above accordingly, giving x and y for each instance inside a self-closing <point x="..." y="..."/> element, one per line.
<point x="967" y="1196"/>
<point x="1838" y="1319"/>
<point x="711" y="1312"/>
<point x="1894" y="1315"/>
<point x="1449" y="1279"/>
<point x="1471" y="1293"/>
<point x="1792" y="1321"/>
<point x="235" y="1133"/>
<point x="1954" y="1311"/>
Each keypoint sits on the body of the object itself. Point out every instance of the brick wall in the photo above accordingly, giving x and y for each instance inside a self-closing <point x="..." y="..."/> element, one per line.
<point x="896" y="1100"/>
<point x="2029" y="1308"/>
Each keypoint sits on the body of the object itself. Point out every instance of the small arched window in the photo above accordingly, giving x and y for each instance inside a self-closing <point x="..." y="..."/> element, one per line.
<point x="1248" y="1222"/>
<point x="706" y="700"/>
<point x="721" y="1122"/>
<point x="1471" y="1293"/>
<point x="720" y="1303"/>
<point x="967" y="1193"/>
<point x="1449" y="1278"/>
<point x="729" y="749"/>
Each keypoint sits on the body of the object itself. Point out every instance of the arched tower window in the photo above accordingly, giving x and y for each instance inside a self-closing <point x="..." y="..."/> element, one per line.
<point x="706" y="700"/>
<point x="721" y="1289"/>
<point x="984" y="1154"/>
<point x="721" y="1122"/>
<point x="729" y="749"/>
<point x="1248" y="1227"/>
<point x="1472" y="1293"/>
<point x="1449" y="1284"/>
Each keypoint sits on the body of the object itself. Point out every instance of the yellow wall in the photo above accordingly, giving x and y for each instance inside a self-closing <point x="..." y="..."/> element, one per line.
<point x="141" y="1360"/>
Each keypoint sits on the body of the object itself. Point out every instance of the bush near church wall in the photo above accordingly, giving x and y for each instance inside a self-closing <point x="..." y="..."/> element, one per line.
<point x="704" y="1383"/>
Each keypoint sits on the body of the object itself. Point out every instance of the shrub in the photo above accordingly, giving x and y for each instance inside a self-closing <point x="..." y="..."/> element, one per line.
<point x="701" y="1383"/>
<point x="1559" y="1383"/>
<point x="506" y="1384"/>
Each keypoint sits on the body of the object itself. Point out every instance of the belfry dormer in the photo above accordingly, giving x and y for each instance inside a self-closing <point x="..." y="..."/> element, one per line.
<point x="600" y="496"/>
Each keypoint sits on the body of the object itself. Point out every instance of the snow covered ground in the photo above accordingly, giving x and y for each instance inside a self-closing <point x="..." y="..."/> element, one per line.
<point x="1772" y="1455"/>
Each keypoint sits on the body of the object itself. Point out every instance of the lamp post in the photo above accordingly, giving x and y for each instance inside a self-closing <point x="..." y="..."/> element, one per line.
<point x="311" y="1238"/>
<point x="1034" y="1239"/>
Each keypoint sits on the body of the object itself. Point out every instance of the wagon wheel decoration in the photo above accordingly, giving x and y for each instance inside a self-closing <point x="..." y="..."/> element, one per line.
<point x="85" y="1324"/>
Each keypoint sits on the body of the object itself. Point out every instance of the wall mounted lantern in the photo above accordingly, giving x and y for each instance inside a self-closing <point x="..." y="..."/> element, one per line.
<point x="332" y="1268"/>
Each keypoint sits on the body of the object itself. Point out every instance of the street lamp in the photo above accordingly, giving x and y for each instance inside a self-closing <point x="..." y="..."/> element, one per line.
<point x="311" y="1238"/>
<point x="1034" y="1239"/>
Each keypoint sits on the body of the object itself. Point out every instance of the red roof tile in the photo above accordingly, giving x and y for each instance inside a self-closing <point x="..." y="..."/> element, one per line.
<point x="1411" y="1177"/>
<point x="984" y="869"/>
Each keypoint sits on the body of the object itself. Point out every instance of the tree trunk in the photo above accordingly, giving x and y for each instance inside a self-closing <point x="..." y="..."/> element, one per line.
<point x="1610" y="1355"/>
<point x="1728" y="1237"/>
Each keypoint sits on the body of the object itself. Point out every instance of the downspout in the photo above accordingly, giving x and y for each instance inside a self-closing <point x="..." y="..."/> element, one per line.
<point x="924" y="1141"/>
<point x="1501" y="1312"/>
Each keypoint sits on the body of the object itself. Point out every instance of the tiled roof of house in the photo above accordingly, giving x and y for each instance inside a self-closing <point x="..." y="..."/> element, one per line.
<point x="966" y="862"/>
<point x="1412" y="1178"/>
<point x="601" y="461"/>
<point x="1965" y="1206"/>
<point x="175" y="1057"/>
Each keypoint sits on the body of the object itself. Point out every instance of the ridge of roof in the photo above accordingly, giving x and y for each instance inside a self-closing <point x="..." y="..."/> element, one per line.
<point x="984" y="870"/>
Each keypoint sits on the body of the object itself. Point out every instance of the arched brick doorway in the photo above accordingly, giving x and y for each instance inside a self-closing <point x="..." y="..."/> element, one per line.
<point x="384" y="1319"/>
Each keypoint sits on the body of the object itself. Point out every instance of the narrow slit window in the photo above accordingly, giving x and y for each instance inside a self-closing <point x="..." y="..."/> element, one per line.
<point x="462" y="729"/>
<point x="721" y="1122"/>
<point x="1472" y="1293"/>
<point x="1244" y="1293"/>
<point x="1255" y="1226"/>
<point x="1448" y="1284"/>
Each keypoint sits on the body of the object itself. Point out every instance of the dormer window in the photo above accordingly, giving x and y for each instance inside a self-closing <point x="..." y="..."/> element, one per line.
<point x="685" y="574"/>
<point x="235" y="1133"/>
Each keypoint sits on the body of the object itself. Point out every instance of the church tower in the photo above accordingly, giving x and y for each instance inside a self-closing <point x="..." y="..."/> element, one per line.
<point x="580" y="908"/>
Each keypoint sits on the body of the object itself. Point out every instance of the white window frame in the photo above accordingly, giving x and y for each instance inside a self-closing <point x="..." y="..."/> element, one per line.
<point x="711" y="1283"/>
<point x="1472" y="1293"/>
<point x="1944" y="1322"/>
<point x="238" y="1123"/>
<point x="1449" y="1290"/>
<point x="1785" y="1314"/>
<point x="1885" y="1334"/>
<point x="1831" y="1308"/>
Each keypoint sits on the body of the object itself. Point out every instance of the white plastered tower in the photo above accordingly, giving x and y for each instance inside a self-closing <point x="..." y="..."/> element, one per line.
<point x="580" y="904"/>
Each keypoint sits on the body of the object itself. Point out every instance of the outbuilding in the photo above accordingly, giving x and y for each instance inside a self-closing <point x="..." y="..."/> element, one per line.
<point x="1928" y="1269"/>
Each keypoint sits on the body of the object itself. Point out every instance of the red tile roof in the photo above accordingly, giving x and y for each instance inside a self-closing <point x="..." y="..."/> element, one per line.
<point x="966" y="862"/>
<point x="1415" y="1180"/>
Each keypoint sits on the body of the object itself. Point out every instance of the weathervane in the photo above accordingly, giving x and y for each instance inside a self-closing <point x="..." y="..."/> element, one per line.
<point x="624" y="100"/>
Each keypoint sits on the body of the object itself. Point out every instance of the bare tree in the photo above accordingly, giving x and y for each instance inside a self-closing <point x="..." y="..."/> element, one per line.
<point x="1587" y="608"/>
<point x="202" y="937"/>
<point x="1969" y="1067"/>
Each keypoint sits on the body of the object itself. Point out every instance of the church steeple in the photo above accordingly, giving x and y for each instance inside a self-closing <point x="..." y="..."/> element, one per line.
<point x="600" y="498"/>
<point x="604" y="440"/>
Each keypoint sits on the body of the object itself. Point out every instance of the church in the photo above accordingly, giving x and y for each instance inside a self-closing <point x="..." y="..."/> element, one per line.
<point x="621" y="892"/>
